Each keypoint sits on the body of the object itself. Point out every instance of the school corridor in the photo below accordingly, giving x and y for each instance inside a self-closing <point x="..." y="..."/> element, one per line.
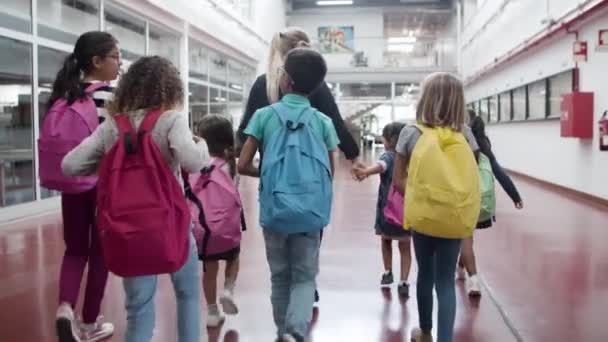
<point x="545" y="271"/>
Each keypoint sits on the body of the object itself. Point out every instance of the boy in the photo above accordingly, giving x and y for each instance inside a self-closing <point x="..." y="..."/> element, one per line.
<point x="299" y="144"/>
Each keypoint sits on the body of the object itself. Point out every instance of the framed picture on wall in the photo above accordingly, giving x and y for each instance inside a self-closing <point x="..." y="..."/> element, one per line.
<point x="336" y="39"/>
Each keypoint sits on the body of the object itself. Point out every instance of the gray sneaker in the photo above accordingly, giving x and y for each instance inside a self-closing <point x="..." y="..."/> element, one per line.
<point x="387" y="279"/>
<point x="403" y="289"/>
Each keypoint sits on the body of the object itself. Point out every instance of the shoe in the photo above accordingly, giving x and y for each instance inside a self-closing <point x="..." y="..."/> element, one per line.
<point x="97" y="331"/>
<point x="461" y="273"/>
<point x="473" y="286"/>
<point x="291" y="338"/>
<point x="228" y="304"/>
<point x="419" y="336"/>
<point x="317" y="298"/>
<point x="67" y="328"/>
<point x="215" y="316"/>
<point x="387" y="279"/>
<point x="403" y="289"/>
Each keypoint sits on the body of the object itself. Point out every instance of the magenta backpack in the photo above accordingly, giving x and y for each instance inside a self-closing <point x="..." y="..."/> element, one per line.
<point x="393" y="209"/>
<point x="216" y="209"/>
<point x="63" y="128"/>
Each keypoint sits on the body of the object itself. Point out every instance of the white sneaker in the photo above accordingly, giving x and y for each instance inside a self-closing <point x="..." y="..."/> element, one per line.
<point x="67" y="329"/>
<point x="228" y="304"/>
<point x="461" y="273"/>
<point x="473" y="286"/>
<point x="215" y="316"/>
<point x="96" y="331"/>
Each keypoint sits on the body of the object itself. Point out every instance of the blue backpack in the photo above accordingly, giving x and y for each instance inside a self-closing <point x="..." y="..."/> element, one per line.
<point x="295" y="179"/>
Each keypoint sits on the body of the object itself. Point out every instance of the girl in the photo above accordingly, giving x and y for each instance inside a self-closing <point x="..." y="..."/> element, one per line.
<point x="152" y="83"/>
<point x="387" y="231"/>
<point x="467" y="255"/>
<point x="441" y="106"/>
<point x="217" y="132"/>
<point x="96" y="58"/>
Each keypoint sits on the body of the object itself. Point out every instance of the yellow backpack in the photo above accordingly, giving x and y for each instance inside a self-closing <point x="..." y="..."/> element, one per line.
<point x="442" y="197"/>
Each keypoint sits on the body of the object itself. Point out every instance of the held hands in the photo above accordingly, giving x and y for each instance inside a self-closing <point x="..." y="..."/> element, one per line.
<point x="357" y="170"/>
<point x="196" y="138"/>
<point x="519" y="205"/>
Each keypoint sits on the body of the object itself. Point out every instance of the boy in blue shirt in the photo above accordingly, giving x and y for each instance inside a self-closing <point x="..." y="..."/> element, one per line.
<point x="292" y="247"/>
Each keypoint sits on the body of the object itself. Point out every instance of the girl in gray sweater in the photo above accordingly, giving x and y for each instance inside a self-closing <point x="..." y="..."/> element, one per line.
<point x="152" y="83"/>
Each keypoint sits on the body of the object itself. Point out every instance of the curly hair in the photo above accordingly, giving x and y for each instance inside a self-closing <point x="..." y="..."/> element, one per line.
<point x="151" y="82"/>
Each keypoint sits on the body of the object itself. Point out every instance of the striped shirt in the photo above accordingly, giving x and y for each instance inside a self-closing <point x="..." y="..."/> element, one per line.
<point x="101" y="96"/>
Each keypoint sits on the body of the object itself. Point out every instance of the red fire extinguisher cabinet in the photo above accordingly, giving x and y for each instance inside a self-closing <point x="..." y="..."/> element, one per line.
<point x="577" y="115"/>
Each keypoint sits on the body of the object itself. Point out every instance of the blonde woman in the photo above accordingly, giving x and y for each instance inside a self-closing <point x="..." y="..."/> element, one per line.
<point x="441" y="105"/>
<point x="265" y="91"/>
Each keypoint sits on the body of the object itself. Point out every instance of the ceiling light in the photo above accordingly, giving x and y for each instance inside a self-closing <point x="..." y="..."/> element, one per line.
<point x="401" y="40"/>
<point x="334" y="2"/>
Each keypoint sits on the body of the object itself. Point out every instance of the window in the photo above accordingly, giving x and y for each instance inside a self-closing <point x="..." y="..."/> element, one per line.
<point x="65" y="20"/>
<point x="493" y="102"/>
<point x="235" y="106"/>
<point x="49" y="61"/>
<point x="129" y="30"/>
<point x="236" y="76"/>
<point x="559" y="85"/>
<point x="218" y="100"/>
<point x="537" y="99"/>
<point x="164" y="44"/>
<point x="506" y="111"/>
<point x="16" y="15"/>
<point x="217" y="68"/>
<point x="16" y="135"/>
<point x="483" y="109"/>
<point x="365" y="91"/>
<point x="199" y="103"/>
<point x="199" y="62"/>
<point x="520" y="107"/>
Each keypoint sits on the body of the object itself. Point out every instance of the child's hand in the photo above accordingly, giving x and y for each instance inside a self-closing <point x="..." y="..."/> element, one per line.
<point x="196" y="138"/>
<point x="519" y="205"/>
<point x="360" y="173"/>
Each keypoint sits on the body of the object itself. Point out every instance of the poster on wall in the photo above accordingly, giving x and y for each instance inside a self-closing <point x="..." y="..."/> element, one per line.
<point x="336" y="39"/>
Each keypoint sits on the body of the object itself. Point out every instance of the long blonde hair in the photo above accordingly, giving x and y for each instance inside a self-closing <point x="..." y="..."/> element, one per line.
<point x="282" y="43"/>
<point x="442" y="102"/>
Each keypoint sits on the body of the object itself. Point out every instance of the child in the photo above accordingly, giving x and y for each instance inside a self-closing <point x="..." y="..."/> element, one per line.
<point x="151" y="83"/>
<point x="217" y="132"/>
<point x="293" y="131"/>
<point x="441" y="121"/>
<point x="467" y="255"/>
<point x="95" y="59"/>
<point x="387" y="231"/>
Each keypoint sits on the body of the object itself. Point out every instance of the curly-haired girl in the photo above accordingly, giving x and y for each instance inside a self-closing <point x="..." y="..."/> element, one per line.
<point x="152" y="83"/>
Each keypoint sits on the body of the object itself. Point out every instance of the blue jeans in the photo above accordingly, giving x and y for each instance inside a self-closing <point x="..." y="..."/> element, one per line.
<point x="294" y="264"/>
<point x="140" y="302"/>
<point x="436" y="259"/>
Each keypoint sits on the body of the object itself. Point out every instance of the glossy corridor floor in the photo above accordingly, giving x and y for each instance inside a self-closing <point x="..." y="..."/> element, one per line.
<point x="546" y="268"/>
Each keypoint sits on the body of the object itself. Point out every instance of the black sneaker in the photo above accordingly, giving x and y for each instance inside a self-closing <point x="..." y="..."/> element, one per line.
<point x="403" y="289"/>
<point x="387" y="279"/>
<point x="317" y="298"/>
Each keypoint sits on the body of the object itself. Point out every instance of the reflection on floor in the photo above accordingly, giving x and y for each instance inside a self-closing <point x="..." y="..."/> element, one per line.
<point x="546" y="266"/>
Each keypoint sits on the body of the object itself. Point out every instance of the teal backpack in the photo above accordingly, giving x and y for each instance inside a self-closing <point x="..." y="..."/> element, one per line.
<point x="295" y="179"/>
<point x="488" y="194"/>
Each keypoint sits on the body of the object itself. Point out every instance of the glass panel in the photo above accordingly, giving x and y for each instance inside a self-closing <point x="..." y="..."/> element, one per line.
<point x="505" y="106"/>
<point x="235" y="106"/>
<point x="198" y="60"/>
<point x="236" y="75"/>
<point x="130" y="32"/>
<point x="65" y="20"/>
<point x="16" y="15"/>
<point x="365" y="91"/>
<point x="537" y="95"/>
<point x="49" y="63"/>
<point x="493" y="108"/>
<point x="217" y="68"/>
<point x="165" y="44"/>
<point x="519" y="103"/>
<point x="483" y="109"/>
<point x="16" y="135"/>
<point x="406" y="92"/>
<point x="218" y="101"/>
<point x="198" y="103"/>
<point x="559" y="85"/>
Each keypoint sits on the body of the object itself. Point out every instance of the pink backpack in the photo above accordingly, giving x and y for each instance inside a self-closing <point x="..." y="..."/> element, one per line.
<point x="393" y="209"/>
<point x="63" y="128"/>
<point x="142" y="214"/>
<point x="216" y="209"/>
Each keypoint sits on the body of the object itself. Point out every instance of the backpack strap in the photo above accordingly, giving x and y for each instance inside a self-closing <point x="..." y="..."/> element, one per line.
<point x="125" y="130"/>
<point x="282" y="111"/>
<point x="94" y="86"/>
<point x="149" y="121"/>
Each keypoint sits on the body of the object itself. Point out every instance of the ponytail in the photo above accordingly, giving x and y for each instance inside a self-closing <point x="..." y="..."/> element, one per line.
<point x="230" y="158"/>
<point x="78" y="63"/>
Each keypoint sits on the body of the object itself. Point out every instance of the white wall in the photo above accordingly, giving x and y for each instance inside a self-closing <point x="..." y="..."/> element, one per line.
<point x="368" y="27"/>
<point x="536" y="148"/>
